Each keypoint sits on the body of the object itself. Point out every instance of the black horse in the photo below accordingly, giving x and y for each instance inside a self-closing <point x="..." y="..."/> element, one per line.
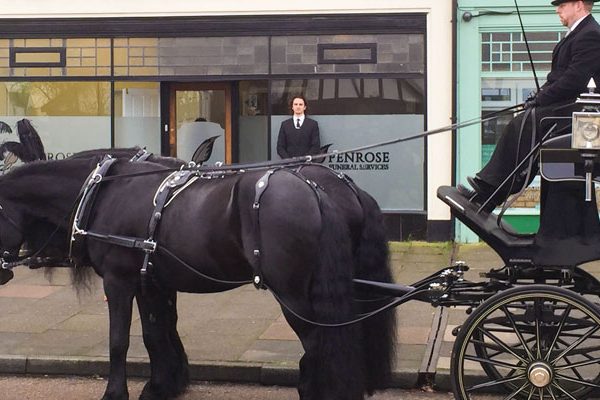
<point x="305" y="254"/>
<point x="364" y="221"/>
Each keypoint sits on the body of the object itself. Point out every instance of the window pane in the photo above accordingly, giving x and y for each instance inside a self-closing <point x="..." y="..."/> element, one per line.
<point x="69" y="116"/>
<point x="253" y="125"/>
<point x="363" y="112"/>
<point x="137" y="115"/>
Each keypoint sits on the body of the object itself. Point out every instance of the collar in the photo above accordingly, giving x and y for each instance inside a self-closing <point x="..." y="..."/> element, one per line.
<point x="301" y="118"/>
<point x="576" y="24"/>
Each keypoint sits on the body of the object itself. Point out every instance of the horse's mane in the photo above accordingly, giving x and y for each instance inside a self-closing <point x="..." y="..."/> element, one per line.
<point x="34" y="175"/>
<point x="115" y="152"/>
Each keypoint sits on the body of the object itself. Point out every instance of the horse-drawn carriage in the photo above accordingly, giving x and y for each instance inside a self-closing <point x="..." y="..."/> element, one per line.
<point x="153" y="227"/>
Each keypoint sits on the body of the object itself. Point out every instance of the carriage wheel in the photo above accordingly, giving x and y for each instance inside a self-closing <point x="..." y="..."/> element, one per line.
<point x="532" y="342"/>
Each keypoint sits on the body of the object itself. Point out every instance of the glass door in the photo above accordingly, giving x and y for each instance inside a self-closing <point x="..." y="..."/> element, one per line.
<point x="200" y="112"/>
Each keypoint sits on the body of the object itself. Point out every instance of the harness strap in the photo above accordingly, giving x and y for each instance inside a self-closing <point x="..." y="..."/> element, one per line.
<point x="87" y="195"/>
<point x="124" y="241"/>
<point x="260" y="187"/>
<point x="172" y="182"/>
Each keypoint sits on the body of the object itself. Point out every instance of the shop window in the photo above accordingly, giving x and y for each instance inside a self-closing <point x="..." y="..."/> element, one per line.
<point x="253" y="143"/>
<point x="137" y="115"/>
<point x="69" y="116"/>
<point x="355" y="112"/>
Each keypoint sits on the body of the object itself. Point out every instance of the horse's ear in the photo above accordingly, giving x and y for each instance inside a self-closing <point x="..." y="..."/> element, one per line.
<point x="325" y="149"/>
<point x="33" y="148"/>
<point x="4" y="127"/>
<point x="204" y="151"/>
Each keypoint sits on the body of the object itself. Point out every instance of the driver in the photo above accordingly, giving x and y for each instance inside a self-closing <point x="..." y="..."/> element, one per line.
<point x="575" y="59"/>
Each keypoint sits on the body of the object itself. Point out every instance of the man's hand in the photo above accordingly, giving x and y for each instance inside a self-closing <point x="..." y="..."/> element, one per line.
<point x="530" y="103"/>
<point x="531" y="100"/>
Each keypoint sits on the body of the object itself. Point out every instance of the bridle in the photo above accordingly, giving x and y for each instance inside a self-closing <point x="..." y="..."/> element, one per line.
<point x="8" y="261"/>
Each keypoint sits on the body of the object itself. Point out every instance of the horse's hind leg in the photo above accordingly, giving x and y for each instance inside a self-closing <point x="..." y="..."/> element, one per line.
<point x="119" y="292"/>
<point x="308" y="387"/>
<point x="168" y="361"/>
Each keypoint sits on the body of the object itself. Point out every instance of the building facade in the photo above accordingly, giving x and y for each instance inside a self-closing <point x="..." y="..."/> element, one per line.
<point x="168" y="76"/>
<point x="494" y="72"/>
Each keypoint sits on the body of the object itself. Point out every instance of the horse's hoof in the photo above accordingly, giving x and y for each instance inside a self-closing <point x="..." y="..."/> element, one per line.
<point x="5" y="276"/>
<point x="149" y="393"/>
<point x="115" y="397"/>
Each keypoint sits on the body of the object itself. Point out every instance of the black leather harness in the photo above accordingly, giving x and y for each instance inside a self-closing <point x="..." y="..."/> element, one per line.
<point x="167" y="190"/>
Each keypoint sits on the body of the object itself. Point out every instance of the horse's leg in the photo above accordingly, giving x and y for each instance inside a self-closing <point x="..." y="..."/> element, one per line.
<point x="168" y="361"/>
<point x="119" y="292"/>
<point x="309" y="363"/>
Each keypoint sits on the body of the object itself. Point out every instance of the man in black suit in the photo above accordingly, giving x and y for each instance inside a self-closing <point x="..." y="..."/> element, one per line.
<point x="299" y="135"/>
<point x="575" y="59"/>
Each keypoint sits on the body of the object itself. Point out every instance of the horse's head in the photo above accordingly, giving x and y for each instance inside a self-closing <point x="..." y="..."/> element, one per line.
<point x="36" y="200"/>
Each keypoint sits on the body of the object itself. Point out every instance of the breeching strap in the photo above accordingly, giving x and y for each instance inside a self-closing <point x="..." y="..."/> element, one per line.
<point x="259" y="189"/>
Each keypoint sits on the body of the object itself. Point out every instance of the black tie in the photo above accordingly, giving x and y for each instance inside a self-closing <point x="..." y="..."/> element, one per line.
<point x="298" y="123"/>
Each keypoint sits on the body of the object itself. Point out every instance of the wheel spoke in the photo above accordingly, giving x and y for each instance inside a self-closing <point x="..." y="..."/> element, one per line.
<point x="501" y="344"/>
<point x="551" y="393"/>
<point x="578" y="364"/>
<point x="574" y="369"/>
<point x="531" y="392"/>
<point x="563" y="390"/>
<point x="558" y="331"/>
<point x="496" y="382"/>
<point x="578" y="381"/>
<point x="495" y="363"/>
<point x="575" y="344"/>
<point x="518" y="332"/>
<point x="516" y="392"/>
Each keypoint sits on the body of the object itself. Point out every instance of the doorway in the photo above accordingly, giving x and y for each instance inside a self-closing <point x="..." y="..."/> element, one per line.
<point x="198" y="112"/>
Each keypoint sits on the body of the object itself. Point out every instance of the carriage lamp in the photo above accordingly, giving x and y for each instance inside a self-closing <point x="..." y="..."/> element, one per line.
<point x="586" y="131"/>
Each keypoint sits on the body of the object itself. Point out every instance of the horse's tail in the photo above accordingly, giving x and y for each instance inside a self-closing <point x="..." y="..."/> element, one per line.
<point x="379" y="331"/>
<point x="341" y="369"/>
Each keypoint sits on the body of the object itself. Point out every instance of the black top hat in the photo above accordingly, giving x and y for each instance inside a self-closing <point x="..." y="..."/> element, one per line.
<point x="558" y="2"/>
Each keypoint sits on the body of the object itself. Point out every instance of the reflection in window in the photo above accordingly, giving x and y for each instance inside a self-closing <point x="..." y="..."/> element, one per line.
<point x="69" y="116"/>
<point x="354" y="112"/>
<point x="253" y="122"/>
<point x="351" y="96"/>
<point x="56" y="98"/>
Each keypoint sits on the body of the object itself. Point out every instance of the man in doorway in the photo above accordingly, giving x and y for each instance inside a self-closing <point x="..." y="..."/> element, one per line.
<point x="299" y="135"/>
<point x="575" y="59"/>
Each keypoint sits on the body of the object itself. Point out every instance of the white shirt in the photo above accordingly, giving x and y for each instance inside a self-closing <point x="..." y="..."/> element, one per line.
<point x="296" y="118"/>
<point x="572" y="28"/>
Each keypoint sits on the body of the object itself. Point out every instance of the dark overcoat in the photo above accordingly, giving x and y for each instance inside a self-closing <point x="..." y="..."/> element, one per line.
<point x="293" y="142"/>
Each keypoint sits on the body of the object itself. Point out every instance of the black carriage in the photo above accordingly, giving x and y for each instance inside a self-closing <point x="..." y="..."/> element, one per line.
<point x="534" y="326"/>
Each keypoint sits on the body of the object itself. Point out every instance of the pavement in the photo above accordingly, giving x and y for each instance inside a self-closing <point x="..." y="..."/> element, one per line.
<point x="237" y="336"/>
